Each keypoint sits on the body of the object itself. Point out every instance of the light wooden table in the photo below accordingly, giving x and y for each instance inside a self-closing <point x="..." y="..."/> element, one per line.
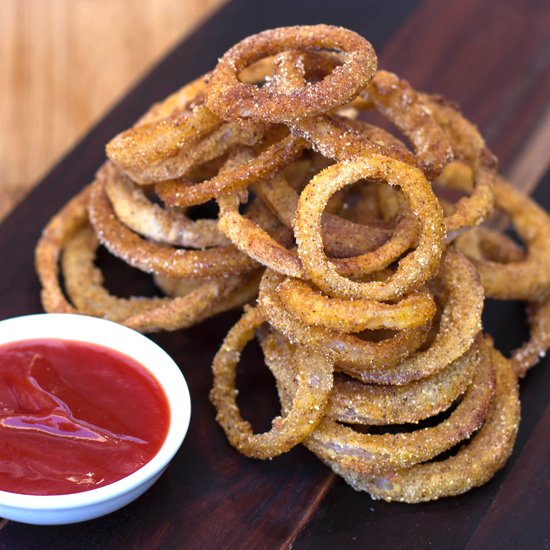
<point x="63" y="63"/>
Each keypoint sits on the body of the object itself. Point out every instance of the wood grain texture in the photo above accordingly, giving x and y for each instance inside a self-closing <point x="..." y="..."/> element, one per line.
<point x="212" y="497"/>
<point x="493" y="59"/>
<point x="64" y="62"/>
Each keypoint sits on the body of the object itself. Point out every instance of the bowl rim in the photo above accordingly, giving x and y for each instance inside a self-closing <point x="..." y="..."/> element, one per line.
<point x="119" y="338"/>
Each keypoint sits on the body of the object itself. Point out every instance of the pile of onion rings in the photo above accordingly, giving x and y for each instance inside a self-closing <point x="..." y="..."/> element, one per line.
<point x="363" y="263"/>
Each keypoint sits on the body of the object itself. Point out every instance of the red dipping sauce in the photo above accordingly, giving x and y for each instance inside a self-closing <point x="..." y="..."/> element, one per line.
<point x="75" y="416"/>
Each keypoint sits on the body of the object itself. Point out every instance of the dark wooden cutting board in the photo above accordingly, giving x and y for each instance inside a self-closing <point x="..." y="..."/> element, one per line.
<point x="492" y="58"/>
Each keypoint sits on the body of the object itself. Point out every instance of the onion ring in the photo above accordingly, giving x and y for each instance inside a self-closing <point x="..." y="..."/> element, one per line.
<point x="153" y="257"/>
<point x="84" y="282"/>
<point x="472" y="466"/>
<point x="527" y="279"/>
<point x="140" y="149"/>
<point x="178" y="170"/>
<point x="170" y="226"/>
<point x="413" y="270"/>
<point x="232" y="99"/>
<point x="313" y="388"/>
<point x="253" y="240"/>
<point x="313" y="308"/>
<point x="538" y="344"/>
<point x="468" y="146"/>
<point x="72" y="217"/>
<point x="352" y="402"/>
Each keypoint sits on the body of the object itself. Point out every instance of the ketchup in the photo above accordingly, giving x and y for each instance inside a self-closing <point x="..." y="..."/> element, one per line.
<point x="75" y="416"/>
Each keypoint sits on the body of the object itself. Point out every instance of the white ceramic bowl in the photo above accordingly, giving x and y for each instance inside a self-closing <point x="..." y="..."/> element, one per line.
<point x="71" y="508"/>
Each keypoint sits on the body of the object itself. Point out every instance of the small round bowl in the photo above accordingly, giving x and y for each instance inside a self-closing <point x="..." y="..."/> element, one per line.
<point x="72" y="508"/>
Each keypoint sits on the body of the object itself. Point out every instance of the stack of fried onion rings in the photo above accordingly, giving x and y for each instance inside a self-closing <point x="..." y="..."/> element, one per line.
<point x="364" y="262"/>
